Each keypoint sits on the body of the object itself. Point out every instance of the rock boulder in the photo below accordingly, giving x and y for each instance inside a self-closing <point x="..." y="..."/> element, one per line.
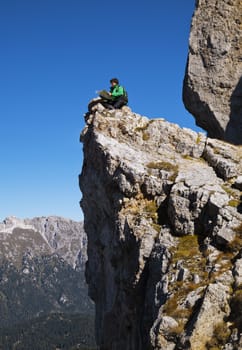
<point x="212" y="90"/>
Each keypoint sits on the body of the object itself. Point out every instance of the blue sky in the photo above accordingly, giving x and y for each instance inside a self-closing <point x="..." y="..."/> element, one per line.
<point x="54" y="55"/>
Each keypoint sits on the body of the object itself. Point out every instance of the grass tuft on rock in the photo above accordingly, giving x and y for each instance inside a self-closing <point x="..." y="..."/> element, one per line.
<point x="220" y="337"/>
<point x="166" y="166"/>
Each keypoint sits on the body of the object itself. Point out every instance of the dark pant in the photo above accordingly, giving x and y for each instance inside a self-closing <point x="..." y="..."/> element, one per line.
<point x="109" y="104"/>
<point x="105" y="103"/>
<point x="119" y="102"/>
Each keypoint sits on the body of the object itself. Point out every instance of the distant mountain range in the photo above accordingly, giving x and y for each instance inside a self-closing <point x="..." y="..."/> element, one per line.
<point x="42" y="285"/>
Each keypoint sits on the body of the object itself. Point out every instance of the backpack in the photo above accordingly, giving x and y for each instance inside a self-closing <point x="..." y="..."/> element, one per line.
<point x="125" y="95"/>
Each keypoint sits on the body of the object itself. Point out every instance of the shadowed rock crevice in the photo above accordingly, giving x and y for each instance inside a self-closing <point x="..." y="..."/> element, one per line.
<point x="234" y="127"/>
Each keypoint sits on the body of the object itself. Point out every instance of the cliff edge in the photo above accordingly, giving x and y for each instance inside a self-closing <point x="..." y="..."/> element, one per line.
<point x="163" y="216"/>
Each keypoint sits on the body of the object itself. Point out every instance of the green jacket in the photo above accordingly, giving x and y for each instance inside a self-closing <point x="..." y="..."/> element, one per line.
<point x="118" y="91"/>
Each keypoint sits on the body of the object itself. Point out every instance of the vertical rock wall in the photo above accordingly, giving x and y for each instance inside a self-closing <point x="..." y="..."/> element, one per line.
<point x="212" y="90"/>
<point x="163" y="216"/>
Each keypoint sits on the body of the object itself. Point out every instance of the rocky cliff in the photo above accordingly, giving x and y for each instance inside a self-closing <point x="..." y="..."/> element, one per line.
<point x="163" y="215"/>
<point x="212" y="89"/>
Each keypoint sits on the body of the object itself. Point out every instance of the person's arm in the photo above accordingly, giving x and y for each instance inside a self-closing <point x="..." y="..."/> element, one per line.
<point x="118" y="91"/>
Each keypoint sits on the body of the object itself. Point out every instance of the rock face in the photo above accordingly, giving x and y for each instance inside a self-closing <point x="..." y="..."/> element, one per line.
<point x="163" y="216"/>
<point x="212" y="89"/>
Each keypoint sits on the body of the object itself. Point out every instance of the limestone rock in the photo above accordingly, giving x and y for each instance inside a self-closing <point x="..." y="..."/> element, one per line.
<point x="224" y="158"/>
<point x="238" y="272"/>
<point x="214" y="307"/>
<point x="212" y="89"/>
<point x="238" y="183"/>
<point x="163" y="221"/>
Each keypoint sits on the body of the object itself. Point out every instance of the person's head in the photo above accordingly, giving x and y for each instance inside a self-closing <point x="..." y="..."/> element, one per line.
<point x="114" y="81"/>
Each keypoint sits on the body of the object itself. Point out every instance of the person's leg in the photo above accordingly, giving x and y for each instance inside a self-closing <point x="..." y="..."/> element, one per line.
<point x="119" y="102"/>
<point x="94" y="103"/>
<point x="106" y="104"/>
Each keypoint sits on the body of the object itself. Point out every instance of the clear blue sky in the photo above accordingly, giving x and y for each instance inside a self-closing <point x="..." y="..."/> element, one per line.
<point x="54" y="55"/>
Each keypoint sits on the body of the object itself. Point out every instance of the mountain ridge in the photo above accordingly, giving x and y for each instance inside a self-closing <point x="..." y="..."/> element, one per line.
<point x="52" y="233"/>
<point x="42" y="284"/>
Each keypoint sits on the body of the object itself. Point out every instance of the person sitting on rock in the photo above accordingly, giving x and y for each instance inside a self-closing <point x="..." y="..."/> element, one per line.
<point x="114" y="99"/>
<point x="118" y="94"/>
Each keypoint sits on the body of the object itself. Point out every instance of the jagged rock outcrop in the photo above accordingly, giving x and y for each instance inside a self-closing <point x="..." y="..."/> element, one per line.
<point x="163" y="216"/>
<point x="212" y="89"/>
